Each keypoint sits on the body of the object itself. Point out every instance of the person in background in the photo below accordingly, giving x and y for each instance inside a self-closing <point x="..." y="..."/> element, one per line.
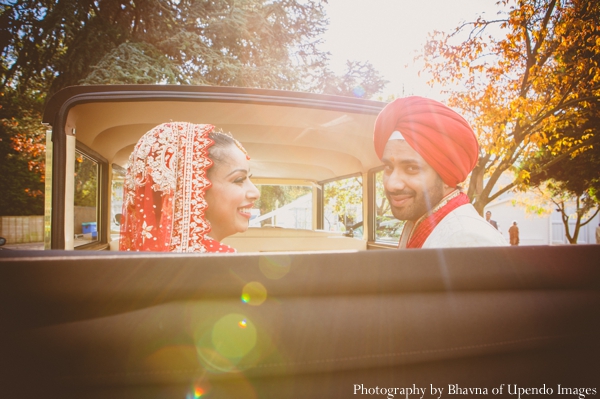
<point x="488" y="218"/>
<point x="186" y="188"/>
<point x="513" y="232"/>
<point x="427" y="150"/>
<point x="598" y="234"/>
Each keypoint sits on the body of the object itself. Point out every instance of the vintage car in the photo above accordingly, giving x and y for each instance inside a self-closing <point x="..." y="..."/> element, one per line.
<point x="314" y="304"/>
<point x="295" y="139"/>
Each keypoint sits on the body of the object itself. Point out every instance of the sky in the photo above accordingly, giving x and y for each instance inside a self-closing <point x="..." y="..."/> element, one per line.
<point x="388" y="33"/>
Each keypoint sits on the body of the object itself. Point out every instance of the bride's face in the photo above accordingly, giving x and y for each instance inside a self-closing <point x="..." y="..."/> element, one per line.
<point x="231" y="195"/>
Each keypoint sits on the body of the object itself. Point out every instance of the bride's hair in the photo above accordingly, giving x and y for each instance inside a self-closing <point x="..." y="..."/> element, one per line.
<point x="221" y="141"/>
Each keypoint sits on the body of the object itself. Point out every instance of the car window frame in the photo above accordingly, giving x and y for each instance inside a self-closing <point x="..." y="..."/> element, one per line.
<point x="102" y="194"/>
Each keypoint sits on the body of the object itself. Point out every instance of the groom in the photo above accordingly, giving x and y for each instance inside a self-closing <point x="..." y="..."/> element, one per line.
<point x="427" y="150"/>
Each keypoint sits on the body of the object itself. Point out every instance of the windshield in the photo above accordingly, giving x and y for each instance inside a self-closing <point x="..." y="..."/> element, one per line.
<point x="288" y="206"/>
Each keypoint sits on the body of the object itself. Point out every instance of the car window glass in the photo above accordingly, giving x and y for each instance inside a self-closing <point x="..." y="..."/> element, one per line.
<point x="85" y="200"/>
<point x="387" y="227"/>
<point x="343" y="205"/>
<point x="282" y="205"/>
<point x="116" y="201"/>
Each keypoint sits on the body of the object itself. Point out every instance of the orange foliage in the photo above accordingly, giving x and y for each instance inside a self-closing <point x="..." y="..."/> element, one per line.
<point x="28" y="139"/>
<point x="521" y="84"/>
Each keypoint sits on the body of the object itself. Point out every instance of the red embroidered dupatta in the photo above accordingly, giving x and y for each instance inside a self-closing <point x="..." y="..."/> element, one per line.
<point x="164" y="191"/>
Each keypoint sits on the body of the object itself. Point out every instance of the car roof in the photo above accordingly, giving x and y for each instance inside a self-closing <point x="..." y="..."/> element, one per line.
<point x="288" y="135"/>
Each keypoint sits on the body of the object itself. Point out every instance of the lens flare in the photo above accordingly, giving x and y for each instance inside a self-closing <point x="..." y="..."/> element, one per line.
<point x="233" y="336"/>
<point x="254" y="293"/>
<point x="358" y="91"/>
<point x="214" y="362"/>
<point x="198" y="392"/>
<point x="232" y="341"/>
<point x="276" y="266"/>
<point x="242" y="388"/>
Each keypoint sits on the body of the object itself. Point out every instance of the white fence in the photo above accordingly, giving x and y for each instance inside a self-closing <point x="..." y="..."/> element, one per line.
<point x="22" y="229"/>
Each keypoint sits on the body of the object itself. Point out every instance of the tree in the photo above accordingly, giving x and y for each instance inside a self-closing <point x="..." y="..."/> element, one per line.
<point x="585" y="207"/>
<point x="572" y="182"/>
<point x="360" y="79"/>
<point x="22" y="188"/>
<point x="254" y="43"/>
<point x="48" y="45"/>
<point x="343" y="200"/>
<point x="521" y="91"/>
<point x="133" y="63"/>
<point x="552" y="196"/>
<point x="22" y="157"/>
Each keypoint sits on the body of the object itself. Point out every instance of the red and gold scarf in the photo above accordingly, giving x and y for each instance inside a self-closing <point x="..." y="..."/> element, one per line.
<point x="415" y="234"/>
<point x="164" y="191"/>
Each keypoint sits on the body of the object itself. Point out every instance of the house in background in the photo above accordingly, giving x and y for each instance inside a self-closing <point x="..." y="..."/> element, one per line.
<point x="298" y="215"/>
<point x="544" y="229"/>
<point x="295" y="215"/>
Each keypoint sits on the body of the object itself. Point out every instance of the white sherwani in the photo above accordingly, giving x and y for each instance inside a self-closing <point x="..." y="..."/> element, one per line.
<point x="463" y="227"/>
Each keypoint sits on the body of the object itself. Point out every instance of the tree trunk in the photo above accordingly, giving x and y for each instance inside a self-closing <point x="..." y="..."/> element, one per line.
<point x="572" y="238"/>
<point x="476" y="188"/>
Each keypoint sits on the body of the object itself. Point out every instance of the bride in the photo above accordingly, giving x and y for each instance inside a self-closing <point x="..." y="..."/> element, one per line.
<point x="187" y="187"/>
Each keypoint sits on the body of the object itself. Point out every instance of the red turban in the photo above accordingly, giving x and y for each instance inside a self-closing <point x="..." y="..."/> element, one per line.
<point x="441" y="136"/>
